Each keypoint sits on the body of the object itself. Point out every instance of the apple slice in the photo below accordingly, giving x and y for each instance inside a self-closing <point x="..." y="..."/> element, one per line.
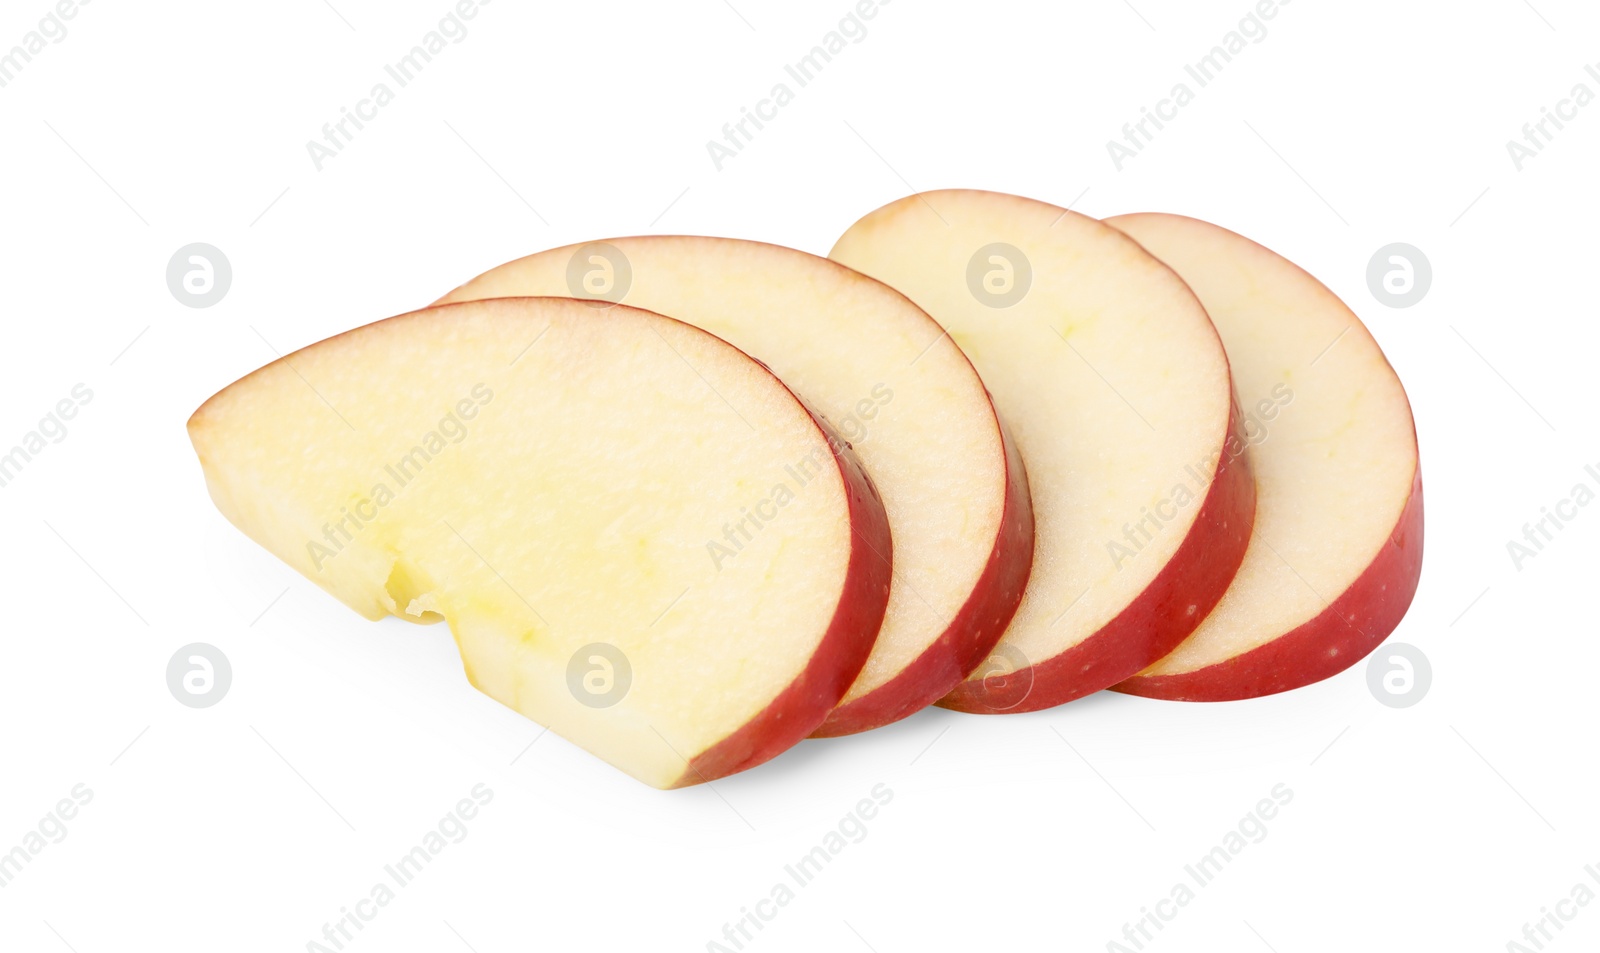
<point x="546" y="477"/>
<point x="1107" y="371"/>
<point x="1337" y="547"/>
<point x="893" y="384"/>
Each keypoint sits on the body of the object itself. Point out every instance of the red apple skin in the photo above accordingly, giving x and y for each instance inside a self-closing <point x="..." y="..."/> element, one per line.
<point x="1342" y="635"/>
<point x="1182" y="594"/>
<point x="806" y="701"/>
<point x="974" y="631"/>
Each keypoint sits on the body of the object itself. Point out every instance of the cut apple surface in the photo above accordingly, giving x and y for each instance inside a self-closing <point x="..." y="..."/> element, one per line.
<point x="1337" y="547"/>
<point x="1113" y="381"/>
<point x="553" y="480"/>
<point x="893" y="384"/>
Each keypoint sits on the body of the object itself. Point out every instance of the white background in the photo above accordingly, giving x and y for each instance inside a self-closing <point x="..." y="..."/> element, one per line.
<point x="248" y="825"/>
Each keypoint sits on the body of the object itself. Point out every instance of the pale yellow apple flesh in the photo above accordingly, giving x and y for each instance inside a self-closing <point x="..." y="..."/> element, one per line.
<point x="1337" y="546"/>
<point x="894" y="385"/>
<point x="1108" y="373"/>
<point x="547" y="477"/>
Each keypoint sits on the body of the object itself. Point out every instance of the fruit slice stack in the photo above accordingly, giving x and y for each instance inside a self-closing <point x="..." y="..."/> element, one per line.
<point x="687" y="501"/>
